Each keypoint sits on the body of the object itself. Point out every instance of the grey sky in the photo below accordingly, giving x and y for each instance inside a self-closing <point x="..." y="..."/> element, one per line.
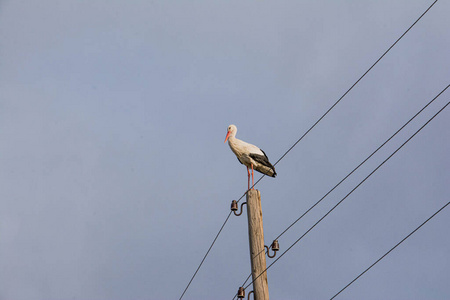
<point x="115" y="178"/>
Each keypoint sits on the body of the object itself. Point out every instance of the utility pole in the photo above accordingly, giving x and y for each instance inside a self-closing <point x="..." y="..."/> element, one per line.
<point x="256" y="240"/>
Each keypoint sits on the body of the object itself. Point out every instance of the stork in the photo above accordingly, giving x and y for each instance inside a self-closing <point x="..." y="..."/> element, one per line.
<point x="249" y="155"/>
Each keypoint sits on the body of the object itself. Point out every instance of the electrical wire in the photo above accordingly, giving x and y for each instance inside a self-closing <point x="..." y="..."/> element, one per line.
<point x="342" y="200"/>
<point x="357" y="167"/>
<point x="364" y="161"/>
<point x="384" y="255"/>
<point x="207" y="252"/>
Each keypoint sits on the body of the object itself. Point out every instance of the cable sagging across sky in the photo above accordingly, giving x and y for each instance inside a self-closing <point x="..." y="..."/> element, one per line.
<point x="384" y="255"/>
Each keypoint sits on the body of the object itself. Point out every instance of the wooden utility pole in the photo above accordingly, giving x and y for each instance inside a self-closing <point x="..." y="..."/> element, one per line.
<point x="256" y="240"/>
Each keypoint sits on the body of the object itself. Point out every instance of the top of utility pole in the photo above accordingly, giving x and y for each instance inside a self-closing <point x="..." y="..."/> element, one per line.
<point x="256" y="241"/>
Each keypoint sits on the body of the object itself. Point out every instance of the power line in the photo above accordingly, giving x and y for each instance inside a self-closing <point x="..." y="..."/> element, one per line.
<point x="207" y="252"/>
<point x="357" y="167"/>
<point x="365" y="160"/>
<point x="359" y="184"/>
<point x="357" y="277"/>
<point x="226" y="220"/>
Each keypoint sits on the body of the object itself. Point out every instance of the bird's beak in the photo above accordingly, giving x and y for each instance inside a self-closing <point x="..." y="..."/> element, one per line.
<point x="226" y="138"/>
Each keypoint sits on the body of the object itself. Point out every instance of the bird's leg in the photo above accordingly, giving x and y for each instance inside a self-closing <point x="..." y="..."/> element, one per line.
<point x="253" y="184"/>
<point x="248" y="181"/>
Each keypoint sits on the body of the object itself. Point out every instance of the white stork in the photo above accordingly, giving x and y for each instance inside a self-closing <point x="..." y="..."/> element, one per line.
<point x="249" y="155"/>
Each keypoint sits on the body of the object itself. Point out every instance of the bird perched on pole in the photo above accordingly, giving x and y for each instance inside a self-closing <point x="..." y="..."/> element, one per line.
<point x="249" y="155"/>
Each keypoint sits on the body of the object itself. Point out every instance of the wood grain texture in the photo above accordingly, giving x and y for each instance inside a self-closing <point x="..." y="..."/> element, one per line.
<point x="256" y="240"/>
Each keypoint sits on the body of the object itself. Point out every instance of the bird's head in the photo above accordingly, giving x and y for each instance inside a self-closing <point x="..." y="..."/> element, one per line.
<point x="231" y="132"/>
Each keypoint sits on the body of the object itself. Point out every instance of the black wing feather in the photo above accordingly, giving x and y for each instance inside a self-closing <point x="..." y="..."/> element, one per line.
<point x="264" y="154"/>
<point x="264" y="160"/>
<point x="261" y="159"/>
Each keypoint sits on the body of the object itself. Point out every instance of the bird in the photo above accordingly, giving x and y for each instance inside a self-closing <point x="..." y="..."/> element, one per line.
<point x="249" y="155"/>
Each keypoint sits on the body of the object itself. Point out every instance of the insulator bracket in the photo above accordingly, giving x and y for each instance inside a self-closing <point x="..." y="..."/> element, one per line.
<point x="275" y="247"/>
<point x="241" y="292"/>
<point x="234" y="207"/>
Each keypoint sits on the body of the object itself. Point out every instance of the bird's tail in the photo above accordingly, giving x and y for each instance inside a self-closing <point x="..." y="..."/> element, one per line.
<point x="271" y="172"/>
<point x="274" y="173"/>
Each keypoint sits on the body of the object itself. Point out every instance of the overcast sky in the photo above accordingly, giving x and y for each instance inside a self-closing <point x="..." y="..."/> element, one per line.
<point x="114" y="178"/>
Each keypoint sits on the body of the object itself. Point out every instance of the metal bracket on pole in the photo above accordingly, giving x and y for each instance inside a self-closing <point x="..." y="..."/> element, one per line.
<point x="241" y="293"/>
<point x="234" y="207"/>
<point x="275" y="247"/>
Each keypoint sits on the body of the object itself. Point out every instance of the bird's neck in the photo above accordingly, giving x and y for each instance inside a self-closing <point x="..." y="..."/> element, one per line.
<point x="232" y="140"/>
<point x="234" y="143"/>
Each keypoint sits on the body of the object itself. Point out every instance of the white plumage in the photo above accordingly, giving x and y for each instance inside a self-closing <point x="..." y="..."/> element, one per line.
<point x="249" y="155"/>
